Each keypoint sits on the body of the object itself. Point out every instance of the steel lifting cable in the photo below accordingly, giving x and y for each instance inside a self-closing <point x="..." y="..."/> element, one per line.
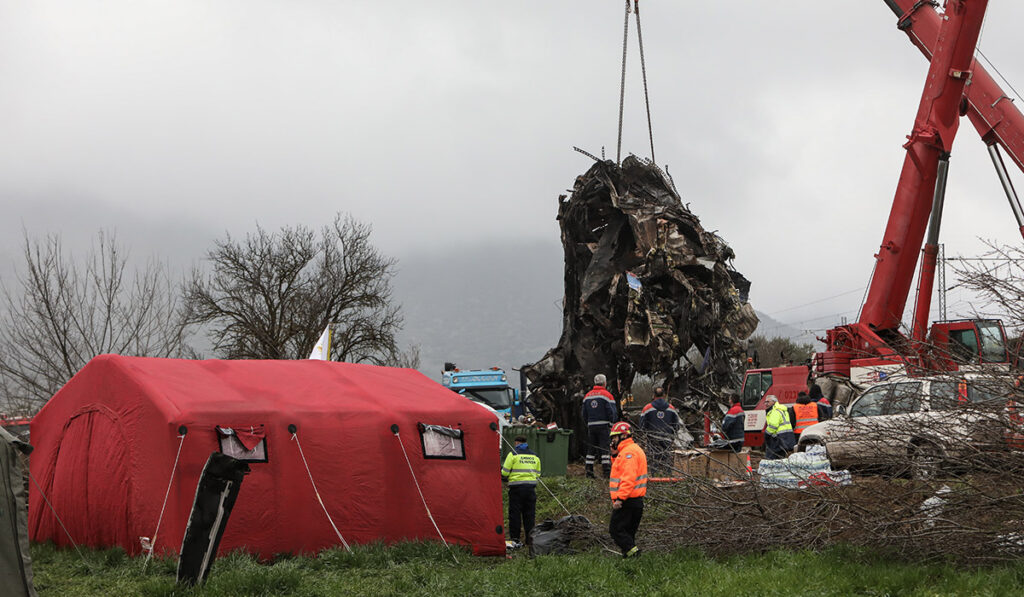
<point x="167" y="494"/>
<point x="867" y="289"/>
<point x="643" y="70"/>
<point x="295" y="437"/>
<point x="622" y="84"/>
<point x="417" y="483"/>
<point x="622" y="81"/>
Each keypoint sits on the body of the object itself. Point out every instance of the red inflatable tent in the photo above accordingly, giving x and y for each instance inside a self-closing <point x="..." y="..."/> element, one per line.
<point x="107" y="442"/>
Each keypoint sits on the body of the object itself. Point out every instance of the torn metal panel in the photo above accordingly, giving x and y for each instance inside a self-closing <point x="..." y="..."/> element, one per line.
<point x="644" y="284"/>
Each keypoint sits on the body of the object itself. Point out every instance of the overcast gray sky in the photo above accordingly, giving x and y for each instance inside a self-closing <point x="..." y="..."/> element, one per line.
<point x="451" y="122"/>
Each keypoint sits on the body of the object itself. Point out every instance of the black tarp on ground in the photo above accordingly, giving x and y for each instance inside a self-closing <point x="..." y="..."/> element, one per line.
<point x="15" y="562"/>
<point x="567" y="535"/>
<point x="215" y="497"/>
<point x="647" y="291"/>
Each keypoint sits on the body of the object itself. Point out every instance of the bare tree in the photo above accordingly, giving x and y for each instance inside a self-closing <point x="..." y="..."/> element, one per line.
<point x="408" y="358"/>
<point x="270" y="295"/>
<point x="66" y="311"/>
<point x="997" y="280"/>
<point x="778" y="351"/>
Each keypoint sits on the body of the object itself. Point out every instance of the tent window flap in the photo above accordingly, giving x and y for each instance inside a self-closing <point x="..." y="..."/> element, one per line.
<point x="244" y="442"/>
<point x="442" y="442"/>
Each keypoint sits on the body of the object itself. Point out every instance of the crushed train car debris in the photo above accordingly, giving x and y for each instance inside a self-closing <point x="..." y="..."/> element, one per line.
<point x="647" y="291"/>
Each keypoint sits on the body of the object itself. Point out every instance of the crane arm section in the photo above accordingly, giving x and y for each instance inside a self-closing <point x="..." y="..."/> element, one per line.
<point x="931" y="139"/>
<point x="989" y="108"/>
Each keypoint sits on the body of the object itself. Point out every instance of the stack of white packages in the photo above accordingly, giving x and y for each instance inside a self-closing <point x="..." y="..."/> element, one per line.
<point x="801" y="470"/>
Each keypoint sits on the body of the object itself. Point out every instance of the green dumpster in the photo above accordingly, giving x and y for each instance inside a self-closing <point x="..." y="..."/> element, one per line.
<point x="552" y="446"/>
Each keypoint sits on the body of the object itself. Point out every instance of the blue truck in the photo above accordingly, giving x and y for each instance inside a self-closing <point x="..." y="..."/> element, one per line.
<point x="488" y="386"/>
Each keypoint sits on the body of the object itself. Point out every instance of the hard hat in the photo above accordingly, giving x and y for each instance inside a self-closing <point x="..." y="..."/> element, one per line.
<point x="621" y="428"/>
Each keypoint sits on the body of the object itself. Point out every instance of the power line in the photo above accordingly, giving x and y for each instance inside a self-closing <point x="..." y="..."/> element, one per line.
<point x="828" y="298"/>
<point x="795" y="324"/>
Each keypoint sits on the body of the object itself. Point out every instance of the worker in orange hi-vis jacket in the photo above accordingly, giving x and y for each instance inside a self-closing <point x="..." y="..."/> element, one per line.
<point x="628" y="486"/>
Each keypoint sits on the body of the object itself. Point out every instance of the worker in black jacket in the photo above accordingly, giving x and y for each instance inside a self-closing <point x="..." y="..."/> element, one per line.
<point x="732" y="424"/>
<point x="659" y="423"/>
<point x="819" y="398"/>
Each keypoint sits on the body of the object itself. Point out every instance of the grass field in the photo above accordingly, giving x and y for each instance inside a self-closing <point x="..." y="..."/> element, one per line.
<point x="428" y="569"/>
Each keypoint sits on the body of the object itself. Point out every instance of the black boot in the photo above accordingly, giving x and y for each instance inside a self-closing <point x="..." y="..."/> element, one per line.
<point x="606" y="471"/>
<point x="590" y="471"/>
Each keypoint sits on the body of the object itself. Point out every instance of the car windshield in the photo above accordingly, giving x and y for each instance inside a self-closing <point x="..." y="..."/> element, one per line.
<point x="496" y="398"/>
<point x="993" y="348"/>
<point x="871" y="403"/>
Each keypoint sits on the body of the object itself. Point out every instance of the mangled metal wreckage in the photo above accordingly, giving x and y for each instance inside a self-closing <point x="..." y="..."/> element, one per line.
<point x="648" y="291"/>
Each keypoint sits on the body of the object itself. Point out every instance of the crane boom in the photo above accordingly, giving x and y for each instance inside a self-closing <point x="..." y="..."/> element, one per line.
<point x="930" y="142"/>
<point x="989" y="108"/>
<point x="917" y="199"/>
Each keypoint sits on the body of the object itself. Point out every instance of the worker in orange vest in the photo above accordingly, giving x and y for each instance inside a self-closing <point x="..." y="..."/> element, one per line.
<point x="805" y="413"/>
<point x="627" y="486"/>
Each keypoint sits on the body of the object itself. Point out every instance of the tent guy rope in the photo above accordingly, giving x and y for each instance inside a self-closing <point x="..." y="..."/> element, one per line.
<point x="167" y="494"/>
<point x="541" y="481"/>
<point x="394" y="429"/>
<point x="596" y="537"/>
<point x="60" y="522"/>
<point x="295" y="438"/>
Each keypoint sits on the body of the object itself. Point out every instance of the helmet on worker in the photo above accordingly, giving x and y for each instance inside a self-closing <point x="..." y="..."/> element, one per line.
<point x="621" y="428"/>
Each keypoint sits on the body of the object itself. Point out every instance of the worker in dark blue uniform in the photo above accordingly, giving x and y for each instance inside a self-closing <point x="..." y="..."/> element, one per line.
<point x="733" y="424"/>
<point x="598" y="411"/>
<point x="659" y="423"/>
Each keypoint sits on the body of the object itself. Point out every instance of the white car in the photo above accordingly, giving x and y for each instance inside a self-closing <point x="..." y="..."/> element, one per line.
<point x="915" y="426"/>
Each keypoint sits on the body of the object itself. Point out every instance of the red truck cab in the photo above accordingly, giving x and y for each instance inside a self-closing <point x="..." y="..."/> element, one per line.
<point x="785" y="383"/>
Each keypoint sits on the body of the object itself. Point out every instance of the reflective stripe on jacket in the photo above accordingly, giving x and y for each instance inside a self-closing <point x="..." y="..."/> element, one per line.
<point x="598" y="407"/>
<point x="777" y="420"/>
<point x="629" y="472"/>
<point x="521" y="469"/>
<point x="806" y="415"/>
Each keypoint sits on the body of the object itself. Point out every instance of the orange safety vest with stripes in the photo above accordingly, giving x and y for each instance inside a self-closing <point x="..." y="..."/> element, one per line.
<point x="628" y="478"/>
<point x="806" y="415"/>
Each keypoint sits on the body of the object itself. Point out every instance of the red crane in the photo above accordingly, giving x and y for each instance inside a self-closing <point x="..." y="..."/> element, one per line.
<point x="992" y="113"/>
<point x="956" y="85"/>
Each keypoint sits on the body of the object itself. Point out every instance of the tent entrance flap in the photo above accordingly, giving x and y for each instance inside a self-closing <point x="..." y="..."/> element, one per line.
<point x="218" y="489"/>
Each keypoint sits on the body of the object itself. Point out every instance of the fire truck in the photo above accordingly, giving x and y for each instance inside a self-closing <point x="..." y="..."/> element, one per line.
<point x="874" y="346"/>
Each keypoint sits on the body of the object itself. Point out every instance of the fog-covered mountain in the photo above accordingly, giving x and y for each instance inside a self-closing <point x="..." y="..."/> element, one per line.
<point x="479" y="306"/>
<point x="488" y="306"/>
